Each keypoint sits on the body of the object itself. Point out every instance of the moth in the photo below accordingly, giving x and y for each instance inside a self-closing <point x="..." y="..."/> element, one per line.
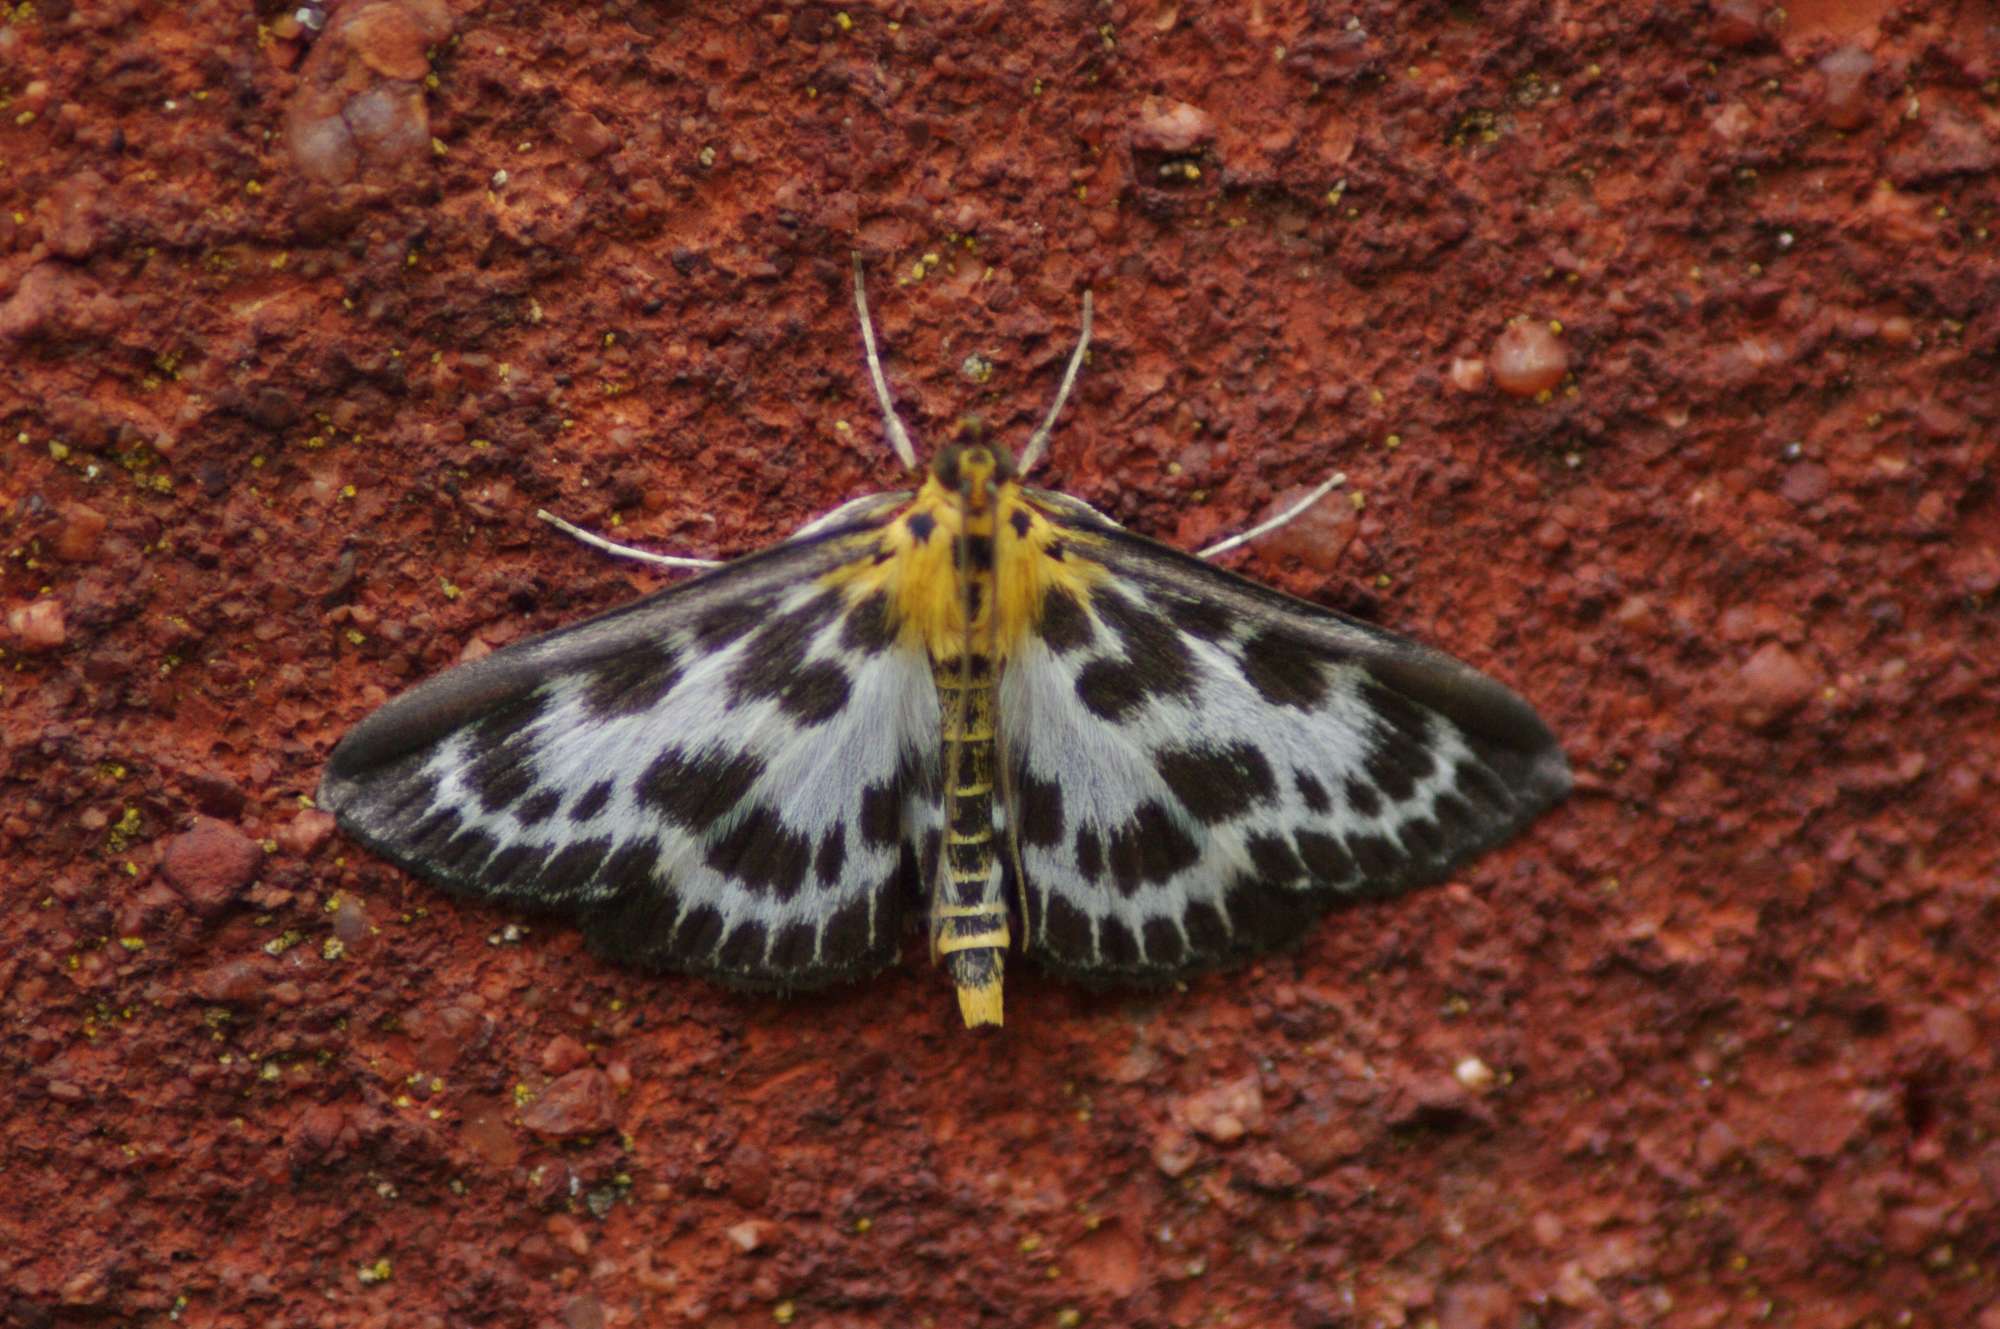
<point x="979" y="703"/>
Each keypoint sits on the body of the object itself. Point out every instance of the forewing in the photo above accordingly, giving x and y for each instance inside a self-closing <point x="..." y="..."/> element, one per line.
<point x="723" y="778"/>
<point x="1199" y="766"/>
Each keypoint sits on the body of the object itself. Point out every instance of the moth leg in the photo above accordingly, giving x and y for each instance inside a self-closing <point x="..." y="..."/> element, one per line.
<point x="1334" y="482"/>
<point x="625" y="551"/>
<point x="1039" y="440"/>
<point x="899" y="437"/>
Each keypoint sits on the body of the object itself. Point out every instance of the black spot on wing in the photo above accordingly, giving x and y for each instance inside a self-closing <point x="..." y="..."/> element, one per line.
<point x="1207" y="932"/>
<point x="1089" y="855"/>
<point x="832" y="855"/>
<point x="1422" y="840"/>
<point x="1363" y="798"/>
<point x="815" y="694"/>
<point x="920" y="525"/>
<point x="1216" y="784"/>
<point x="1286" y="668"/>
<point x="593" y="801"/>
<point x="567" y="873"/>
<point x="1197" y="617"/>
<point x="1311" y="791"/>
<point x="1111" y="689"/>
<point x="697" y="933"/>
<point x="744" y="948"/>
<point x="763" y="854"/>
<point x="1020" y="521"/>
<point x="1324" y="858"/>
<point x="773" y="661"/>
<point x="1150" y="848"/>
<point x="870" y="625"/>
<point x="1164" y="946"/>
<point x="1064" y="624"/>
<point x="846" y="937"/>
<point x="1040" y="804"/>
<point x="500" y="777"/>
<point x="1267" y="917"/>
<point x="1115" y="942"/>
<point x="723" y="622"/>
<point x="697" y="790"/>
<point x="1156" y="663"/>
<point x="1276" y="863"/>
<point x="501" y="746"/>
<point x="634" y="680"/>
<point x="1068" y="931"/>
<point x="882" y="813"/>
<point x="1399" y="752"/>
<point x="465" y="854"/>
<point x="538" y="807"/>
<point x="793" y="948"/>
<point x="1379" y="860"/>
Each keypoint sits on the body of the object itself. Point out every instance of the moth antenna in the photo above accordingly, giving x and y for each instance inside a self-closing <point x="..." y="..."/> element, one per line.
<point x="625" y="551"/>
<point x="1039" y="440"/>
<point x="899" y="437"/>
<point x="1338" y="479"/>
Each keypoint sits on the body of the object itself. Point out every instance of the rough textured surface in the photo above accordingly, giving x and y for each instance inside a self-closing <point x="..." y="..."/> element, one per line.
<point x="1711" y="1045"/>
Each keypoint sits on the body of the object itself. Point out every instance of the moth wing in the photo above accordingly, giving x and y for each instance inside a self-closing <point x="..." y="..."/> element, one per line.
<point x="724" y="778"/>
<point x="1198" y="766"/>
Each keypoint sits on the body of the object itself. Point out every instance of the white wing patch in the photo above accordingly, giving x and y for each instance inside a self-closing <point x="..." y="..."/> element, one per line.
<point x="1202" y="766"/>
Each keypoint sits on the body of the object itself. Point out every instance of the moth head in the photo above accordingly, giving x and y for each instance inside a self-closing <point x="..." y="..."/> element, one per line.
<point x="971" y="467"/>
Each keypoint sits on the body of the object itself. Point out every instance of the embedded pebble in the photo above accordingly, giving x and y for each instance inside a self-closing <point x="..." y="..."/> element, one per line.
<point x="211" y="863"/>
<point x="1175" y="1151"/>
<point x="1468" y="373"/>
<point x="359" y="109"/>
<point x="1170" y="126"/>
<point x="305" y="833"/>
<point x="38" y="625"/>
<point x="1772" y="683"/>
<point x="76" y="223"/>
<point x="580" y="1103"/>
<point x="1527" y="358"/>
<point x="1226" y="1112"/>
<point x="1844" y="102"/>
<point x="751" y="1235"/>
<point x="1737" y="22"/>
<point x="563" y="1055"/>
<point x="77" y="539"/>
<point x="1316" y="537"/>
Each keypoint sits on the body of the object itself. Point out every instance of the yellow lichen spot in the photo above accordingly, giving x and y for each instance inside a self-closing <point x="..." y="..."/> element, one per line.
<point x="1358" y="499"/>
<point x="1393" y="442"/>
<point x="451" y="592"/>
<point x="783" y="1312"/>
<point x="864" y="1225"/>
<point x="348" y="491"/>
<point x="1069" y="1317"/>
<point x="481" y="444"/>
<point x="332" y="948"/>
<point x="134" y="944"/>
<point x="706" y="156"/>
<point x="355" y="636"/>
<point x="438" y="148"/>
<point x="845" y="23"/>
<point x="58" y="451"/>
<point x="410" y="259"/>
<point x="1556" y="326"/>
<point x="381" y="1271"/>
<point x="523" y="1095"/>
<point x="25" y="118"/>
<point x="252" y="187"/>
<point x="1030" y="1244"/>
